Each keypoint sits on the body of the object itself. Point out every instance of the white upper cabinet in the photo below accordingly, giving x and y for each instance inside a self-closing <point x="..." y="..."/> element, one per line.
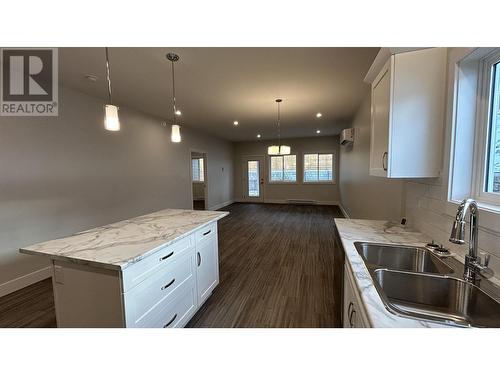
<point x="407" y="113"/>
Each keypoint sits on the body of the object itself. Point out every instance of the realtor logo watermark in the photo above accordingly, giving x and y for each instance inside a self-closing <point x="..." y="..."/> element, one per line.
<point x="29" y="79"/>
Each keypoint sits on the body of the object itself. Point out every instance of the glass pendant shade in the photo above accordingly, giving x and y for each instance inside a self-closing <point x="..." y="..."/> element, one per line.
<point x="285" y="150"/>
<point x="273" y="150"/>
<point x="111" y="120"/>
<point x="176" y="134"/>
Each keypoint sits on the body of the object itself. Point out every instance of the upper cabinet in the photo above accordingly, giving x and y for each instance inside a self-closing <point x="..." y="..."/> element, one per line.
<point x="407" y="113"/>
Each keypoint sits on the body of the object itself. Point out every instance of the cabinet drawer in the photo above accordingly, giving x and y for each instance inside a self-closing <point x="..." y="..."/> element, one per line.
<point x="173" y="312"/>
<point x="208" y="232"/>
<point x="148" y="266"/>
<point x="143" y="298"/>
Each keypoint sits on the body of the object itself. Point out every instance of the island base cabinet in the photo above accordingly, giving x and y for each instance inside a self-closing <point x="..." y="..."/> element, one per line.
<point x="353" y="313"/>
<point x="86" y="296"/>
<point x="164" y="292"/>
<point x="207" y="262"/>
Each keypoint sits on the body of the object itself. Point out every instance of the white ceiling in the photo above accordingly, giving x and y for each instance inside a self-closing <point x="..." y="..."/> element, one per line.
<point x="216" y="86"/>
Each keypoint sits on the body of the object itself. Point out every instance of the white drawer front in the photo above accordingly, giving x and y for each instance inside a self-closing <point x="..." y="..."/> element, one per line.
<point x="138" y="272"/>
<point x="208" y="232"/>
<point x="173" y="312"/>
<point x="160" y="287"/>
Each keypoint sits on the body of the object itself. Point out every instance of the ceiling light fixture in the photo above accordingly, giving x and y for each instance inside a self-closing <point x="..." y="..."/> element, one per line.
<point x="236" y="123"/>
<point x="111" y="120"/>
<point x="318" y="131"/>
<point x="258" y="135"/>
<point x="279" y="149"/>
<point x="178" y="113"/>
<point x="176" y="129"/>
<point x="318" y="115"/>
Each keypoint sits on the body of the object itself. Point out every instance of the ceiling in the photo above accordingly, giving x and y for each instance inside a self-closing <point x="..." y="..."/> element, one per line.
<point x="215" y="86"/>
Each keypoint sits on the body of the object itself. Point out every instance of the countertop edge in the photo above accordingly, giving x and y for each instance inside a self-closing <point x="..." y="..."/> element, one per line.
<point x="123" y="266"/>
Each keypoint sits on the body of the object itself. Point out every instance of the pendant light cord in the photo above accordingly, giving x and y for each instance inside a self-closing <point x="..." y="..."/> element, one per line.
<point x="173" y="93"/>
<point x="108" y="75"/>
<point x="279" y="126"/>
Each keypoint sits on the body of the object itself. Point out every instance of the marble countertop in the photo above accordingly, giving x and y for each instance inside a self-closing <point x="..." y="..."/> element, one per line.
<point x="351" y="231"/>
<point x="116" y="246"/>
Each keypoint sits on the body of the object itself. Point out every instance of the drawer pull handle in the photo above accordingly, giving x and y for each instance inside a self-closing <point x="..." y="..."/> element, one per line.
<point x="199" y="258"/>
<point x="171" y="321"/>
<point x="170" y="283"/>
<point x="207" y="232"/>
<point x="167" y="256"/>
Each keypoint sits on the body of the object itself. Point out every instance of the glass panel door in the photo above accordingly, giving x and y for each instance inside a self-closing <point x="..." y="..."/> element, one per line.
<point x="253" y="178"/>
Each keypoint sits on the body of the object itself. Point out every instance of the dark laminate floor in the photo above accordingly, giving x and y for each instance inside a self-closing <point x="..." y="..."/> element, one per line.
<point x="31" y="307"/>
<point x="276" y="270"/>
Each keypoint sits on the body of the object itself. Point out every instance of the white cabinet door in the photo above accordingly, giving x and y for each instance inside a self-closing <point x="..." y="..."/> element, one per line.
<point x="407" y="115"/>
<point x="380" y="122"/>
<point x="207" y="267"/>
<point x="353" y="313"/>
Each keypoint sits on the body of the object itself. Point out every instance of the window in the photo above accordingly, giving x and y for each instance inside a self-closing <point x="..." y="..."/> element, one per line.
<point x="198" y="170"/>
<point x="283" y="168"/>
<point x="492" y="178"/>
<point x="475" y="165"/>
<point x="318" y="167"/>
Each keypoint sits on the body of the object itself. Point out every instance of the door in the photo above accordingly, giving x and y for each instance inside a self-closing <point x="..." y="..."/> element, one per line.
<point x="207" y="263"/>
<point x="381" y="96"/>
<point x="253" y="179"/>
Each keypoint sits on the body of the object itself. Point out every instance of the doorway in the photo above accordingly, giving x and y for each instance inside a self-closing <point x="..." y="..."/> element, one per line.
<point x="198" y="169"/>
<point x="253" y="179"/>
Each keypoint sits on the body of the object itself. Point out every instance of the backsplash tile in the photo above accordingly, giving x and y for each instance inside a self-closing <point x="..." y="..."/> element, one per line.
<point x="427" y="210"/>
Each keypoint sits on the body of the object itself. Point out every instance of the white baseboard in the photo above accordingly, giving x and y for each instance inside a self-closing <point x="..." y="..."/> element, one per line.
<point x="25" y="280"/>
<point x="224" y="204"/>
<point x="344" y="211"/>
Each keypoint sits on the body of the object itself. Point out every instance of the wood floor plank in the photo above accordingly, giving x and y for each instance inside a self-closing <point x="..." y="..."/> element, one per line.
<point x="276" y="270"/>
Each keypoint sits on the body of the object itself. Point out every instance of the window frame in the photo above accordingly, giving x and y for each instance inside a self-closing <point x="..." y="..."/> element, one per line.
<point x="483" y="125"/>
<point x="282" y="182"/>
<point x="333" y="181"/>
<point x="192" y="171"/>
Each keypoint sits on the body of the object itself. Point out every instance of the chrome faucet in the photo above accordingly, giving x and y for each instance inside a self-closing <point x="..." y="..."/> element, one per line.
<point x="473" y="263"/>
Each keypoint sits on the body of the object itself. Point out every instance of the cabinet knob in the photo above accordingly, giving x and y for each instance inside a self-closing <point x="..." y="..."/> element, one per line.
<point x="198" y="256"/>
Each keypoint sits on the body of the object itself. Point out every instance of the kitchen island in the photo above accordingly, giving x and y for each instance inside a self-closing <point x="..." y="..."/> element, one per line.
<point x="154" y="270"/>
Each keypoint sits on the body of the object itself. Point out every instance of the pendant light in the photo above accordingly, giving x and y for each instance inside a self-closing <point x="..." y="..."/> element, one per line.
<point x="176" y="129"/>
<point x="111" y="120"/>
<point x="279" y="149"/>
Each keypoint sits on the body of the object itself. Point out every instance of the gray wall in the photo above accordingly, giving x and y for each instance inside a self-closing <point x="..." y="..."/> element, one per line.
<point x="325" y="193"/>
<point x="65" y="174"/>
<point x="364" y="196"/>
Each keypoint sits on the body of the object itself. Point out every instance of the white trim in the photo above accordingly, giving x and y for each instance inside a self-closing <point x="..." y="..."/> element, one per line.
<point x="220" y="205"/>
<point x="25" y="280"/>
<point x="333" y="181"/>
<point x="344" y="211"/>
<point x="288" y="201"/>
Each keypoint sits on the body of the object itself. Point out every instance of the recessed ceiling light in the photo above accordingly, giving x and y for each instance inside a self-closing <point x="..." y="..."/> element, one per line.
<point x="236" y="123"/>
<point x="318" y="131"/>
<point x="258" y="135"/>
<point x="178" y="113"/>
<point x="318" y="115"/>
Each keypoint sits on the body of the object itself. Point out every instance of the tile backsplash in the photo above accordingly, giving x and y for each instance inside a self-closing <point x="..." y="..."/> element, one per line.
<point x="427" y="210"/>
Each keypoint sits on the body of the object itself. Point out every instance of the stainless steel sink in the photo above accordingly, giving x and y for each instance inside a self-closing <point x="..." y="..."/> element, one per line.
<point x="404" y="258"/>
<point x="437" y="298"/>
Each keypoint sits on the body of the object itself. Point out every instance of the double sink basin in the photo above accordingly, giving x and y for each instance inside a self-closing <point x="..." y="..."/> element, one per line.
<point x="413" y="282"/>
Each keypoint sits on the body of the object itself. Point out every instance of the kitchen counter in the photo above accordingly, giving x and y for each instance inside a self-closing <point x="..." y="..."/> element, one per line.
<point x="119" y="245"/>
<point x="351" y="231"/>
